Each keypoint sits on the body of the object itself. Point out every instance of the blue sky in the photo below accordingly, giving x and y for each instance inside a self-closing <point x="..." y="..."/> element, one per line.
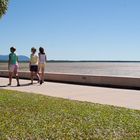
<point x="73" y="29"/>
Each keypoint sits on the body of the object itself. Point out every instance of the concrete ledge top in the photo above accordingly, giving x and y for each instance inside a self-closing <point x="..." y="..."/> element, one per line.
<point x="73" y="74"/>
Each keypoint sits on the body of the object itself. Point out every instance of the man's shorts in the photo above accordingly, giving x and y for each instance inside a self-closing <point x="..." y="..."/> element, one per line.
<point x="34" y="68"/>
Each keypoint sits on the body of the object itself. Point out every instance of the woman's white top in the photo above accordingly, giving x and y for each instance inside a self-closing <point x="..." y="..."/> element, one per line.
<point x="42" y="58"/>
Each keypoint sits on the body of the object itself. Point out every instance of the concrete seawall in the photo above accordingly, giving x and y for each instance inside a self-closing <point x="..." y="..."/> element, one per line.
<point x="120" y="82"/>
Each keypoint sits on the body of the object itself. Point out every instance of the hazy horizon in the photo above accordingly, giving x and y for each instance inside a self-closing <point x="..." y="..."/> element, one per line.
<point x="5" y="56"/>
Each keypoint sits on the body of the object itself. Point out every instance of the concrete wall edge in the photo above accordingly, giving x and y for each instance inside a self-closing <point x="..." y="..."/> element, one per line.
<point x="102" y="81"/>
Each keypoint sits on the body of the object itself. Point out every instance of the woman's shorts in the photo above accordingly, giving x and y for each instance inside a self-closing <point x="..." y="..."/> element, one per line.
<point x="34" y="68"/>
<point x="13" y="68"/>
<point x="41" y="66"/>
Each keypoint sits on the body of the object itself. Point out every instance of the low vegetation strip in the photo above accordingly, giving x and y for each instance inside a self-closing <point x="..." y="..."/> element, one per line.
<point x="31" y="116"/>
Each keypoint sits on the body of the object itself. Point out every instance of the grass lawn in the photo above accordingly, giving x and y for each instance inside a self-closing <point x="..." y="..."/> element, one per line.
<point x="38" y="117"/>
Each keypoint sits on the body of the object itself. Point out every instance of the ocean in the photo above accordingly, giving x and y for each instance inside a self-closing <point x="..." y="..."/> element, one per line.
<point x="125" y="69"/>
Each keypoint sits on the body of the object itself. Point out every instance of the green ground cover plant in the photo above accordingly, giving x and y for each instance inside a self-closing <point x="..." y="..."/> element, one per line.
<point x="30" y="116"/>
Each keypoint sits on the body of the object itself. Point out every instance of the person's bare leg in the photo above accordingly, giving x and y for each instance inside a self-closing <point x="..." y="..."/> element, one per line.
<point x="37" y="74"/>
<point x="17" y="77"/>
<point x="10" y="78"/>
<point x="31" y="77"/>
<point x="42" y="75"/>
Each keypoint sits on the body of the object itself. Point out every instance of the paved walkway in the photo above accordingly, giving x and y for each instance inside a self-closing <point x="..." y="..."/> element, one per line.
<point x="110" y="96"/>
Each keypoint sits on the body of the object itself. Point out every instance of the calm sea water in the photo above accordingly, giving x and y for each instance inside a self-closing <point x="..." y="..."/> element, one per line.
<point x="126" y="69"/>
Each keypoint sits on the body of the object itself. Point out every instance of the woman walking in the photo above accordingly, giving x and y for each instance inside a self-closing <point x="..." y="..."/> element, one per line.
<point x="34" y="65"/>
<point x="42" y="62"/>
<point x="13" y="66"/>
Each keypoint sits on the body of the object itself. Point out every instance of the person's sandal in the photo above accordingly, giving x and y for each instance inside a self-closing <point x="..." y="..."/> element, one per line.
<point x="18" y="85"/>
<point x="41" y="82"/>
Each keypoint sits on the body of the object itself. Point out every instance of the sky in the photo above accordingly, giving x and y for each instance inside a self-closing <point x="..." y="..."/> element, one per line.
<point x="73" y="29"/>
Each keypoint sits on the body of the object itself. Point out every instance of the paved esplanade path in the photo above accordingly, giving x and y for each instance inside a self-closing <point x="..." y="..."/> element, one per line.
<point x="111" y="96"/>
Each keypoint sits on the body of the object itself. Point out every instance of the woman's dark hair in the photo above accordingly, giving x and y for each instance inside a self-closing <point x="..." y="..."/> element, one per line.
<point x="41" y="50"/>
<point x="12" y="49"/>
<point x="33" y="49"/>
